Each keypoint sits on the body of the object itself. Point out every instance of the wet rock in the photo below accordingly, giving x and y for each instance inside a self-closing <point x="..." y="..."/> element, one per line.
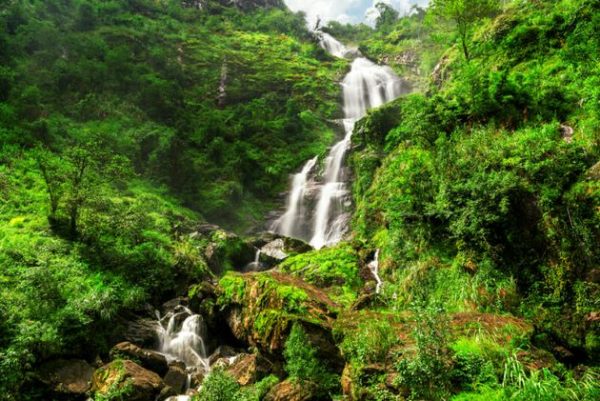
<point x="71" y="378"/>
<point x="141" y="331"/>
<point x="224" y="363"/>
<point x="176" y="377"/>
<point x="167" y="393"/>
<point x="367" y="299"/>
<point x="260" y="310"/>
<point x="438" y="76"/>
<point x="224" y="351"/>
<point x="226" y="251"/>
<point x="567" y="133"/>
<point x="197" y="378"/>
<point x="141" y="384"/>
<point x="151" y="360"/>
<point x="279" y="247"/>
<point x="290" y="391"/>
<point x="249" y="368"/>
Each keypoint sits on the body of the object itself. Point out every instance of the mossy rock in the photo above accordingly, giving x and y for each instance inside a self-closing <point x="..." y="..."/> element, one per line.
<point x="261" y="309"/>
<point x="225" y="251"/>
<point x="126" y="379"/>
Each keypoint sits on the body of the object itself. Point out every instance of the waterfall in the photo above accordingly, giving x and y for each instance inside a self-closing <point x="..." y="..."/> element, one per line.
<point x="317" y="206"/>
<point x="255" y="265"/>
<point x="181" y="338"/>
<point x="332" y="45"/>
<point x="288" y="224"/>
<point x="374" y="268"/>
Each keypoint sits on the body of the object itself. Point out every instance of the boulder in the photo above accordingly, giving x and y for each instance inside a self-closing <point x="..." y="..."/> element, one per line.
<point x="260" y="310"/>
<point x="139" y="383"/>
<point x="291" y="391"/>
<point x="176" y="377"/>
<point x="167" y="393"/>
<point x="249" y="368"/>
<point x="224" y="351"/>
<point x="226" y="251"/>
<point x="278" y="246"/>
<point x="140" y="330"/>
<point x="70" y="378"/>
<point x="151" y="360"/>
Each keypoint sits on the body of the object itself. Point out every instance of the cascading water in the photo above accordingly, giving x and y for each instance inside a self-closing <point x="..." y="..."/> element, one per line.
<point x="374" y="268"/>
<point x="366" y="86"/>
<point x="181" y="338"/>
<point x="332" y="46"/>
<point x="291" y="223"/>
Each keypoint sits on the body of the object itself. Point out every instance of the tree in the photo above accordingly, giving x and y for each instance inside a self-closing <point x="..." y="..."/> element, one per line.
<point x="53" y="174"/>
<point x="387" y="16"/>
<point x="464" y="13"/>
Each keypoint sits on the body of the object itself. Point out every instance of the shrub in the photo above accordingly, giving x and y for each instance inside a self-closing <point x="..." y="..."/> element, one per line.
<point x="219" y="386"/>
<point x="302" y="363"/>
<point x="427" y="373"/>
<point x="370" y="343"/>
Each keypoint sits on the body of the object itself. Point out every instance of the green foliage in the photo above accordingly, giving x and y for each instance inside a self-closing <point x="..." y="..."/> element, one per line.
<point x="335" y="268"/>
<point x="219" y="386"/>
<point x="120" y="389"/>
<point x="427" y="374"/>
<point x="370" y="342"/>
<point x="145" y="77"/>
<point x="302" y="363"/>
<point x="232" y="289"/>
<point x="465" y="14"/>
<point x="542" y="385"/>
<point x="387" y="16"/>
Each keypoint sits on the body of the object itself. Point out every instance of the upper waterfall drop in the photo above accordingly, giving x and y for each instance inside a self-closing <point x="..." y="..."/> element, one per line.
<point x="332" y="45"/>
<point x="366" y="86"/>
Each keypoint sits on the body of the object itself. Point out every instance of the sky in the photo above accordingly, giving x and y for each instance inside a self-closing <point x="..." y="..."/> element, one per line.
<point x="353" y="11"/>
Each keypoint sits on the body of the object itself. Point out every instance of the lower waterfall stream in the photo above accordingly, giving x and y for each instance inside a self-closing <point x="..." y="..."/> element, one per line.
<point x="181" y="335"/>
<point x="317" y="208"/>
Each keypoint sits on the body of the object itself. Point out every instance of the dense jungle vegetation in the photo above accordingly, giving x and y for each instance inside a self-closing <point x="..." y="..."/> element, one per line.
<point x="127" y="126"/>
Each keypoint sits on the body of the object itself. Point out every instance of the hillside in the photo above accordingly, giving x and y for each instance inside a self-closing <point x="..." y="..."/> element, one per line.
<point x="145" y="147"/>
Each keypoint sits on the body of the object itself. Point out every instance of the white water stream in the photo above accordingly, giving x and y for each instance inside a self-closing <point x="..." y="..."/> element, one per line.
<point x="374" y="268"/>
<point x="317" y="209"/>
<point x="181" y="338"/>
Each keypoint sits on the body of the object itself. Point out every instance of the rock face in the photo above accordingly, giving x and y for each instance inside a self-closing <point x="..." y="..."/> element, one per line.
<point x="70" y="378"/>
<point x="139" y="384"/>
<point x="260" y="310"/>
<point x="278" y="246"/>
<point x="290" y="391"/>
<point x="248" y="369"/>
<point x="141" y="330"/>
<point x="176" y="377"/>
<point x="148" y="359"/>
<point x="225" y="251"/>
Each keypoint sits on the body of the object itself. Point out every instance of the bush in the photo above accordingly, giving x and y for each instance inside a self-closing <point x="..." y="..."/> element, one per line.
<point x="219" y="386"/>
<point x="370" y="343"/>
<point x="427" y="373"/>
<point x="302" y="364"/>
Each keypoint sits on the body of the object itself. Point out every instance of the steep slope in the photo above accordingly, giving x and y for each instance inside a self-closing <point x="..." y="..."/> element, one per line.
<point x="193" y="97"/>
<point x="123" y="126"/>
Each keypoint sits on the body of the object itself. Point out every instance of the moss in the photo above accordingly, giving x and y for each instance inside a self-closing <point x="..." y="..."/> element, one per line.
<point x="335" y="268"/>
<point x="232" y="289"/>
